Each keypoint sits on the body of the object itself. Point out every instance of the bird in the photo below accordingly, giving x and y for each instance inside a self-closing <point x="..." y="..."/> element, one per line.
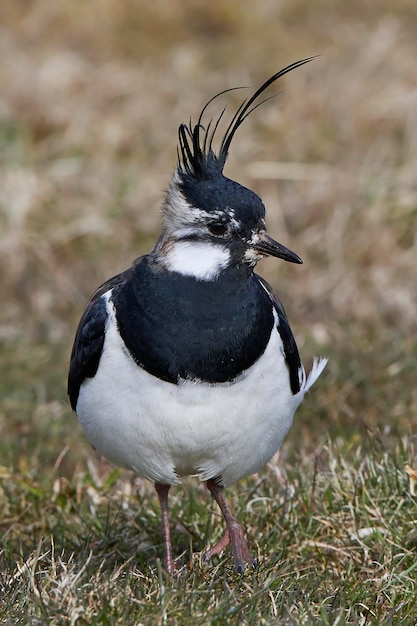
<point x="185" y="364"/>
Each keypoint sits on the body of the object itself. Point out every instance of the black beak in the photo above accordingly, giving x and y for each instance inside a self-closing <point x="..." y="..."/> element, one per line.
<point x="263" y="243"/>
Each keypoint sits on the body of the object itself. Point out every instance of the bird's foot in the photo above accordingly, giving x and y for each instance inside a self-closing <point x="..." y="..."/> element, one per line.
<point x="240" y="551"/>
<point x="234" y="532"/>
<point x="169" y="562"/>
<point x="175" y="570"/>
<point x="218" y="547"/>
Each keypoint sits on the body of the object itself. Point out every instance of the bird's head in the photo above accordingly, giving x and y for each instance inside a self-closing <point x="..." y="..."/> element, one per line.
<point x="211" y="222"/>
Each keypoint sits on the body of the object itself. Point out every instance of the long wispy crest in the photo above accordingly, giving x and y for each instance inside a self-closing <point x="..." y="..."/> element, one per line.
<point x="196" y="156"/>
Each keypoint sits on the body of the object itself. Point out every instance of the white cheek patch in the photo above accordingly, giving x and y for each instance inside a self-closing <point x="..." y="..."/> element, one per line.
<point x="204" y="261"/>
<point x="252" y="256"/>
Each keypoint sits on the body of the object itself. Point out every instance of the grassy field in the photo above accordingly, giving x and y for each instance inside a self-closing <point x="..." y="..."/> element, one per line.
<point x="91" y="97"/>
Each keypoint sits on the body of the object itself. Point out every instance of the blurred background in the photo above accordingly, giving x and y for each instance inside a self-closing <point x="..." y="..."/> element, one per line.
<point x="90" y="101"/>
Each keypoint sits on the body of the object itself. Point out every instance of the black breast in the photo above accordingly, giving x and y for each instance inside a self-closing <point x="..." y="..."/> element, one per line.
<point x="175" y="326"/>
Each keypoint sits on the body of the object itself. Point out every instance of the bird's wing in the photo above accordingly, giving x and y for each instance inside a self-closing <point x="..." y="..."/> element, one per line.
<point x="89" y="339"/>
<point x="292" y="356"/>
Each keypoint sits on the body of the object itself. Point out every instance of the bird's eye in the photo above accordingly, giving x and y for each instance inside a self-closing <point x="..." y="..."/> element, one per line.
<point x="217" y="228"/>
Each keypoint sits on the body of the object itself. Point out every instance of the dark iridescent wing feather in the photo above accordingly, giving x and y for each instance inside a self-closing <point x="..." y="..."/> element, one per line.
<point x="89" y="339"/>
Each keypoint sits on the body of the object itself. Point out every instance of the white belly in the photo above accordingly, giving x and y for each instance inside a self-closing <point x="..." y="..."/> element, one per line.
<point x="164" y="431"/>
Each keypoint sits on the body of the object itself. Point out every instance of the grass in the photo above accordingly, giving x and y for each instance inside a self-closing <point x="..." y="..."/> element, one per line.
<point x="92" y="95"/>
<point x="335" y="538"/>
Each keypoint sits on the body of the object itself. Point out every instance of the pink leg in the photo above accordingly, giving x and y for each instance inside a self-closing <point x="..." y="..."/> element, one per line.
<point x="162" y="491"/>
<point x="233" y="534"/>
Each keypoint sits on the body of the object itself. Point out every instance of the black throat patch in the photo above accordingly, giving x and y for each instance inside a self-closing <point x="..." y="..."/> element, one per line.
<point x="177" y="327"/>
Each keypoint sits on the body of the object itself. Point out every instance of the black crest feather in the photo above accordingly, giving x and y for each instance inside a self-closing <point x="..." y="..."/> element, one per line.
<point x="196" y="156"/>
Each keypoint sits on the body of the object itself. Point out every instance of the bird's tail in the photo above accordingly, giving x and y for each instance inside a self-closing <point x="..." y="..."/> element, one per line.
<point x="319" y="363"/>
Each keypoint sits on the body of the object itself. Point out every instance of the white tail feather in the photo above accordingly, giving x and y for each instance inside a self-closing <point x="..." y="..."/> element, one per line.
<point x="319" y="363"/>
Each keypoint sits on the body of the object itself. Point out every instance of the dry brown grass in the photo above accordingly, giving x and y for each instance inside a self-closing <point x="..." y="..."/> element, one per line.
<point x="92" y="97"/>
